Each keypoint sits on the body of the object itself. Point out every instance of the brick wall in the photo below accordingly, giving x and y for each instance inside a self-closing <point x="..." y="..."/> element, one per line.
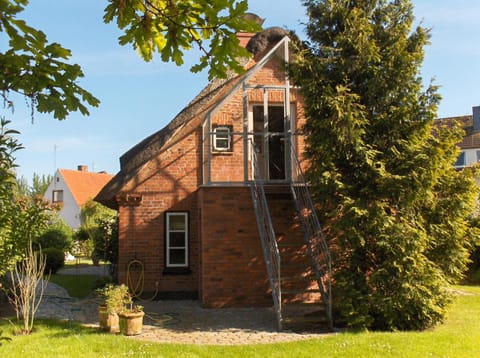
<point x="168" y="183"/>
<point x="233" y="271"/>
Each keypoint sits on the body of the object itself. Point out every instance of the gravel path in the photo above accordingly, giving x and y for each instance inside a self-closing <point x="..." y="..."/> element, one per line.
<point x="176" y="321"/>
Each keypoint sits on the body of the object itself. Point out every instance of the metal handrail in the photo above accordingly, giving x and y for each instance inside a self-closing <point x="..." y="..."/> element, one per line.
<point x="267" y="233"/>
<point x="314" y="237"/>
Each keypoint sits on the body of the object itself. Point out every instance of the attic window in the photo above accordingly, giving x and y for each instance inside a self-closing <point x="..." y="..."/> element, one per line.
<point x="57" y="196"/>
<point x="222" y="139"/>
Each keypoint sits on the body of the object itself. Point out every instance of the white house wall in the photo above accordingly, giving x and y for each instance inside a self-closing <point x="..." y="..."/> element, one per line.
<point x="471" y="157"/>
<point x="70" y="211"/>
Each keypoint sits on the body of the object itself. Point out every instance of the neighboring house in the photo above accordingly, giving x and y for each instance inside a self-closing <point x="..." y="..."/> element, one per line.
<point x="71" y="189"/>
<point x="470" y="145"/>
<point x="196" y="199"/>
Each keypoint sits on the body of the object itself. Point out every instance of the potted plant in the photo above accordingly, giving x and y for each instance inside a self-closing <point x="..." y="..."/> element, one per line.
<point x="131" y="316"/>
<point x="113" y="302"/>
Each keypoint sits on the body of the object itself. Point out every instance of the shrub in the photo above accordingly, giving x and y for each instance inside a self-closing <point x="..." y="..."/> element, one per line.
<point x="102" y="281"/>
<point x="83" y="243"/>
<point x="55" y="259"/>
<point x="56" y="238"/>
<point x="105" y="239"/>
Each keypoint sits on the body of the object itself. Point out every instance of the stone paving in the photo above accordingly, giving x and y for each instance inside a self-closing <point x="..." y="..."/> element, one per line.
<point x="179" y="321"/>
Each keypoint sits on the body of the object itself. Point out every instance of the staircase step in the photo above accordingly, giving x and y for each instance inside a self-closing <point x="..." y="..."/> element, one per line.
<point x="288" y="265"/>
<point x="302" y="316"/>
<point x="321" y="318"/>
<point x="304" y="305"/>
<point x="277" y="189"/>
<point x="306" y="324"/>
<point x="294" y="279"/>
<point x="296" y="292"/>
<point x="290" y="243"/>
<point x="293" y="309"/>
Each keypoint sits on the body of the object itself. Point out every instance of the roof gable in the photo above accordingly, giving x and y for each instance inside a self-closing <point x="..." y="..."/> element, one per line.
<point x="84" y="185"/>
<point x="205" y="103"/>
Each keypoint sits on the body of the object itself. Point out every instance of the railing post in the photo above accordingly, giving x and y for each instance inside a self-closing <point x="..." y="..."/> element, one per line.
<point x="267" y="235"/>
<point x="314" y="238"/>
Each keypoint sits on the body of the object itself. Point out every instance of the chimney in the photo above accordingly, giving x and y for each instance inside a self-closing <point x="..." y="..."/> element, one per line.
<point x="476" y="119"/>
<point x="244" y="37"/>
<point x="82" y="168"/>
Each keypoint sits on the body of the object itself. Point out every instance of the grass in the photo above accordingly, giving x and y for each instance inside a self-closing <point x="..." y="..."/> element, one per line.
<point x="78" y="286"/>
<point x="457" y="337"/>
<point x="80" y="262"/>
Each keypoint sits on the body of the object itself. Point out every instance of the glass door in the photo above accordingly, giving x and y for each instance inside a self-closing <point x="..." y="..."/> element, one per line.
<point x="269" y="140"/>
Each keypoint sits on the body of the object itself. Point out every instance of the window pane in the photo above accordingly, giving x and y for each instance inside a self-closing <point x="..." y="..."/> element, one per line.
<point x="177" y="222"/>
<point x="177" y="257"/>
<point x="461" y="160"/>
<point x="222" y="133"/>
<point x="177" y="239"/>
<point x="221" y="143"/>
<point x="222" y="138"/>
<point x="57" y="196"/>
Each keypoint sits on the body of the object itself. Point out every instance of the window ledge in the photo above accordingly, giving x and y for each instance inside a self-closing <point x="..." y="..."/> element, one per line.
<point x="222" y="152"/>
<point x="177" y="271"/>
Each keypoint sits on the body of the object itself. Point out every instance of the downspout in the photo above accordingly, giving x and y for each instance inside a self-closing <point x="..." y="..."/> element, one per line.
<point x="288" y="124"/>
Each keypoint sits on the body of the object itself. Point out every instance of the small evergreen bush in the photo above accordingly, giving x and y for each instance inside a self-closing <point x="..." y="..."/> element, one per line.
<point x="55" y="259"/>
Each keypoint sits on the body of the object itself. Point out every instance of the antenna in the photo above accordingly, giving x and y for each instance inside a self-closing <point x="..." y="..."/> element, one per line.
<point x="54" y="166"/>
<point x="55" y="158"/>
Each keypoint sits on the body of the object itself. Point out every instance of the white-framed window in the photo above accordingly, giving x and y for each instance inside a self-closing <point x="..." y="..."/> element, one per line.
<point x="57" y="196"/>
<point x="461" y="160"/>
<point x="176" y="250"/>
<point x="222" y="139"/>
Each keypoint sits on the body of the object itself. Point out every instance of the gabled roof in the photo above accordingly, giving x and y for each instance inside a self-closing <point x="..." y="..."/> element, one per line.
<point x="471" y="139"/>
<point x="84" y="185"/>
<point x="214" y="93"/>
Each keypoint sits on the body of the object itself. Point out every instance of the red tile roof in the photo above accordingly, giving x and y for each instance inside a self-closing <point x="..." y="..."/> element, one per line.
<point x="84" y="185"/>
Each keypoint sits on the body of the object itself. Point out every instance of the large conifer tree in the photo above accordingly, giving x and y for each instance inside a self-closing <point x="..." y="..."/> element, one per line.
<point x="393" y="206"/>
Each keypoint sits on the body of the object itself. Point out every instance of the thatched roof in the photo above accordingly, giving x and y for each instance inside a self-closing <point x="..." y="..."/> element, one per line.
<point x="134" y="159"/>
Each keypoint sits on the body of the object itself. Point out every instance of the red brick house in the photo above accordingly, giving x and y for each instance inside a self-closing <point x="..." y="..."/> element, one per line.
<point x="470" y="144"/>
<point x="209" y="204"/>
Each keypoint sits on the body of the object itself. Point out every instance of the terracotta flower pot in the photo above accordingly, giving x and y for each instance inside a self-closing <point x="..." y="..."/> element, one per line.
<point x="131" y="323"/>
<point x="109" y="322"/>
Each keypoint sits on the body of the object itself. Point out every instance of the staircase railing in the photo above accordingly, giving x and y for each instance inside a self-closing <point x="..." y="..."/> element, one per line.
<point x="313" y="235"/>
<point x="267" y="234"/>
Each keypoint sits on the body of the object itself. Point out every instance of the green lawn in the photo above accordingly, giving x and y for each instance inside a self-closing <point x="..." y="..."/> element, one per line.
<point x="459" y="336"/>
<point x="81" y="262"/>
<point x="78" y="286"/>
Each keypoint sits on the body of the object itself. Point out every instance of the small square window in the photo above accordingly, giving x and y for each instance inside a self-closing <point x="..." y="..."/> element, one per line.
<point x="222" y="139"/>
<point x="57" y="196"/>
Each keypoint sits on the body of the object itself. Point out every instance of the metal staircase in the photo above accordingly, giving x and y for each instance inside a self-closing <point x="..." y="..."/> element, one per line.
<point x="267" y="235"/>
<point x="314" y="238"/>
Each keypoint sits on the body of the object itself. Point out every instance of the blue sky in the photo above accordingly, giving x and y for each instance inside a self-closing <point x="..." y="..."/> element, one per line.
<point x="140" y="98"/>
